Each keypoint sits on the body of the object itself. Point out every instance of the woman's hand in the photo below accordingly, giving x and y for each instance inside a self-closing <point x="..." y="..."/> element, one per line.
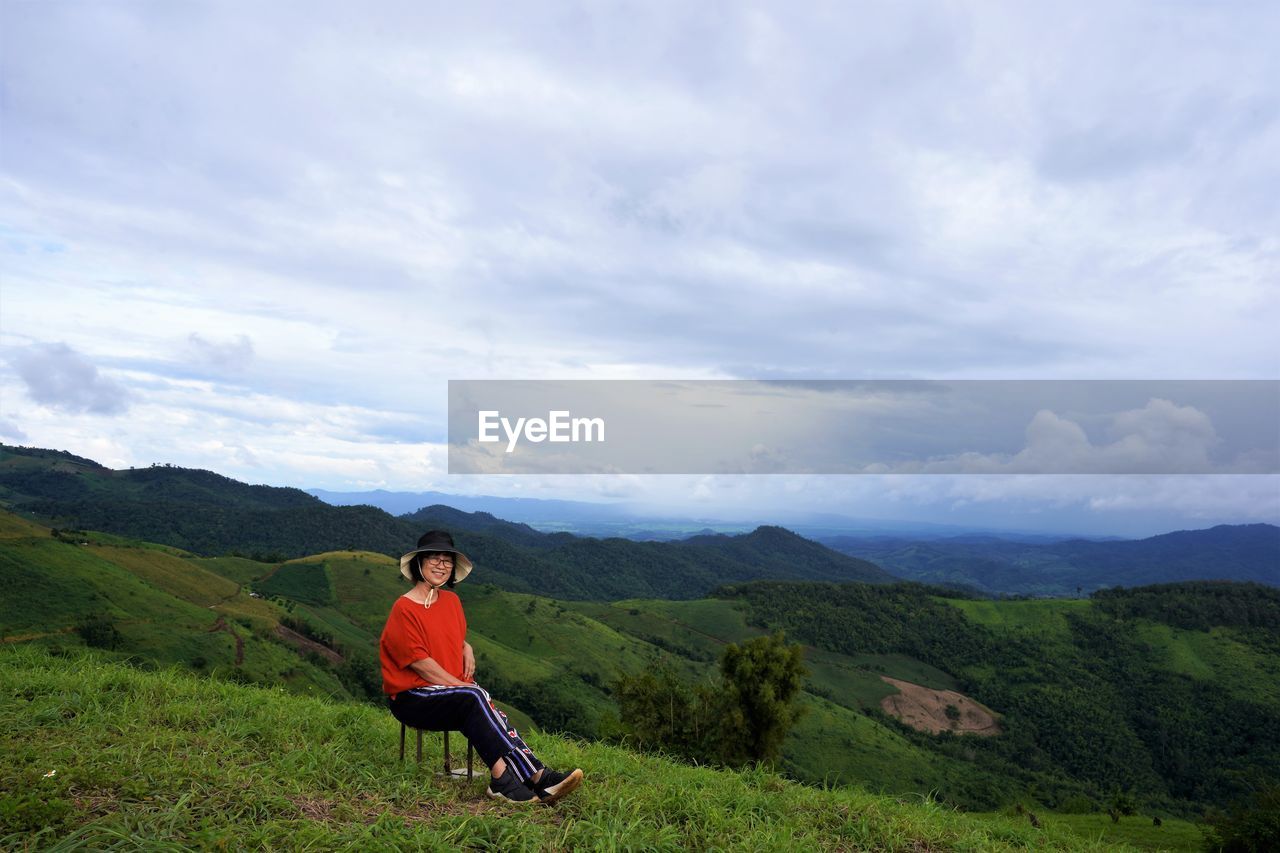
<point x="468" y="662"/>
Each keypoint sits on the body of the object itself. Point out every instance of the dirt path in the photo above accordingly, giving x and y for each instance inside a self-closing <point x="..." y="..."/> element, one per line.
<point x="925" y="708"/>
<point x="306" y="644"/>
<point x="20" y="638"/>
<point x="221" y="625"/>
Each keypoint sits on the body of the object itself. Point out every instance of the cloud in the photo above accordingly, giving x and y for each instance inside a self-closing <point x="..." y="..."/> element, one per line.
<point x="227" y="356"/>
<point x="1159" y="438"/>
<point x="61" y="378"/>
<point x="10" y="430"/>
<point x="909" y="190"/>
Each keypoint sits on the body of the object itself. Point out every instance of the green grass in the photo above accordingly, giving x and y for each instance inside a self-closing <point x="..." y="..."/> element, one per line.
<point x="1215" y="656"/>
<point x="700" y="629"/>
<point x="61" y="582"/>
<point x="1135" y="830"/>
<point x="833" y="745"/>
<point x="1046" y="617"/>
<point x="16" y="527"/>
<point x="305" y="580"/>
<point x="97" y="755"/>
<point x="242" y="570"/>
<point x="174" y="575"/>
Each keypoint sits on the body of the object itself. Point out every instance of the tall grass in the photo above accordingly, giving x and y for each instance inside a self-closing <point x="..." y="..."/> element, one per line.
<point x="100" y="756"/>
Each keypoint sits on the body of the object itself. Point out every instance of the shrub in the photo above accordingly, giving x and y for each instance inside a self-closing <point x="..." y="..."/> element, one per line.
<point x="99" y="632"/>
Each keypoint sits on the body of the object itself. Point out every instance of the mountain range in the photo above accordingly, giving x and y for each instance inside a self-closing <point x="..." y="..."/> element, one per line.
<point x="209" y="514"/>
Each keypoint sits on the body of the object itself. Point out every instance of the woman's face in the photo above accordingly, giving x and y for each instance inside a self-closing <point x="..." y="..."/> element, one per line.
<point x="436" y="568"/>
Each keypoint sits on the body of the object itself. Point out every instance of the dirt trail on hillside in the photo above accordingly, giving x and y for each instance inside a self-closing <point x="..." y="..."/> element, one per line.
<point x="221" y="625"/>
<point x="925" y="709"/>
<point x="305" y="644"/>
<point x="21" y="638"/>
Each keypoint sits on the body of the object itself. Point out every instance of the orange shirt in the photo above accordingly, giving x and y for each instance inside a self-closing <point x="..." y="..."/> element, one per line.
<point x="414" y="632"/>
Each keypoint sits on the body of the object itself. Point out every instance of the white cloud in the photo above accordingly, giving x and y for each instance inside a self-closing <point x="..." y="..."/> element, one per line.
<point x="390" y="198"/>
<point x="232" y="355"/>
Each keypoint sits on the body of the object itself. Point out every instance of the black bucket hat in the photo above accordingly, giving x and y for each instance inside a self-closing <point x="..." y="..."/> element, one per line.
<point x="436" y="541"/>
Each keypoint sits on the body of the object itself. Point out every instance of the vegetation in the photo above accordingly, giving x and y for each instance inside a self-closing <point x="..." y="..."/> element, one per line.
<point x="743" y="718"/>
<point x="1160" y="698"/>
<point x="213" y="516"/>
<point x="1085" y="698"/>
<point x="102" y="756"/>
<point x="762" y="678"/>
<point x="1250" y="826"/>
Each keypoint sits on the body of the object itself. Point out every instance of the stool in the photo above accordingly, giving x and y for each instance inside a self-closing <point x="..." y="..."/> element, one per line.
<point x="448" y="762"/>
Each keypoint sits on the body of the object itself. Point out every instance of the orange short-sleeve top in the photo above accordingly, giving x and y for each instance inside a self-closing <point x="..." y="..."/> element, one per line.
<point x="414" y="632"/>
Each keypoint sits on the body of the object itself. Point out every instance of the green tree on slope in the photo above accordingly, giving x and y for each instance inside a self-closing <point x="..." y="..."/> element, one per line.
<point x="762" y="677"/>
<point x="743" y="719"/>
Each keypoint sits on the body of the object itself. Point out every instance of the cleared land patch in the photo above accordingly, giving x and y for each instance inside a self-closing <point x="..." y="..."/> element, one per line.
<point x="927" y="709"/>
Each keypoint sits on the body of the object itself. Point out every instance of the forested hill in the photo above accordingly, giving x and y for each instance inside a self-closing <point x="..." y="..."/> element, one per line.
<point x="1239" y="552"/>
<point x="208" y="514"/>
<point x="1170" y="690"/>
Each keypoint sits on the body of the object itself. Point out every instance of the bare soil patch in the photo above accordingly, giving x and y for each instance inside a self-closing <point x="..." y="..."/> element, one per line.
<point x="925" y="709"/>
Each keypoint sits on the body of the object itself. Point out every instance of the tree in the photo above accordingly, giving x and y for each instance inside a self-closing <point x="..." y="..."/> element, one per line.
<point x="660" y="711"/>
<point x="743" y="719"/>
<point x="761" y="679"/>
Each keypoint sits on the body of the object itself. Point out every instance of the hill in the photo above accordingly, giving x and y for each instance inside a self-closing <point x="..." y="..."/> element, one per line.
<point x="1242" y="552"/>
<point x="97" y="755"/>
<point x="210" y="515"/>
<point x="1203" y="664"/>
<point x="1169" y="692"/>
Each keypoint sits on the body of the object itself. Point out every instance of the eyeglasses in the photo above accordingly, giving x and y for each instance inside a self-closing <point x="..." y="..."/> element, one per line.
<point x="439" y="559"/>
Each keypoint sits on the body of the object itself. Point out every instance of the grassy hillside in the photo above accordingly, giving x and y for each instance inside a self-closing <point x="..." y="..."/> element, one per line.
<point x="555" y="662"/>
<point x="99" y="755"/>
<point x="550" y="662"/>
<point x="162" y="608"/>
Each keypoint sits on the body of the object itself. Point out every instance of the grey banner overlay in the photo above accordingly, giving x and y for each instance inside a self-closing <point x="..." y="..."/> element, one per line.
<point x="864" y="427"/>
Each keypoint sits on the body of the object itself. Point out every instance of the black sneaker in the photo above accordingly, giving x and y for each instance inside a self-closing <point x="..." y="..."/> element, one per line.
<point x="508" y="787"/>
<point x="553" y="785"/>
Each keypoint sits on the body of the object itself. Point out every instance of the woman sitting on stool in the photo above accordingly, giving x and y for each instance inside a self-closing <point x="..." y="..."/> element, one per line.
<point x="428" y="668"/>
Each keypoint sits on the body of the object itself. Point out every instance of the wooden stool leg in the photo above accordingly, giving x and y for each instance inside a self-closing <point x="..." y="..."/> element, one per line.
<point x="402" y="741"/>
<point x="471" y="753"/>
<point x="448" y="762"/>
<point x="419" y="745"/>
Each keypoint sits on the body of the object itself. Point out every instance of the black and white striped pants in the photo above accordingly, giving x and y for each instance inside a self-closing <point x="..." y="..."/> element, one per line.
<point x="469" y="710"/>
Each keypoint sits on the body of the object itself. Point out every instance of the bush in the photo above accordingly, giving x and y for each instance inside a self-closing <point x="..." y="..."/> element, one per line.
<point x="1250" y="825"/>
<point x="1078" y="804"/>
<point x="99" y="632"/>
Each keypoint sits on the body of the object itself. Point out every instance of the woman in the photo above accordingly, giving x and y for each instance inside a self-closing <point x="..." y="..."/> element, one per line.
<point x="428" y="668"/>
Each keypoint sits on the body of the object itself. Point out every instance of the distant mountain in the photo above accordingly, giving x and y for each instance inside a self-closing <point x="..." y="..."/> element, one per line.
<point x="1244" y="552"/>
<point x="209" y="514"/>
<point x="777" y="551"/>
<point x="644" y="523"/>
<point x="529" y="510"/>
<point x="440" y="516"/>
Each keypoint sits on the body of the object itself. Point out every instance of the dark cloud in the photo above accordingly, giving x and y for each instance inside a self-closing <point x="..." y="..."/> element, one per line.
<point x="61" y="378"/>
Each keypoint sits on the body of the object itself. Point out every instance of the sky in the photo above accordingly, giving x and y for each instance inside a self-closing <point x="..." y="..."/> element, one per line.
<point x="262" y="238"/>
